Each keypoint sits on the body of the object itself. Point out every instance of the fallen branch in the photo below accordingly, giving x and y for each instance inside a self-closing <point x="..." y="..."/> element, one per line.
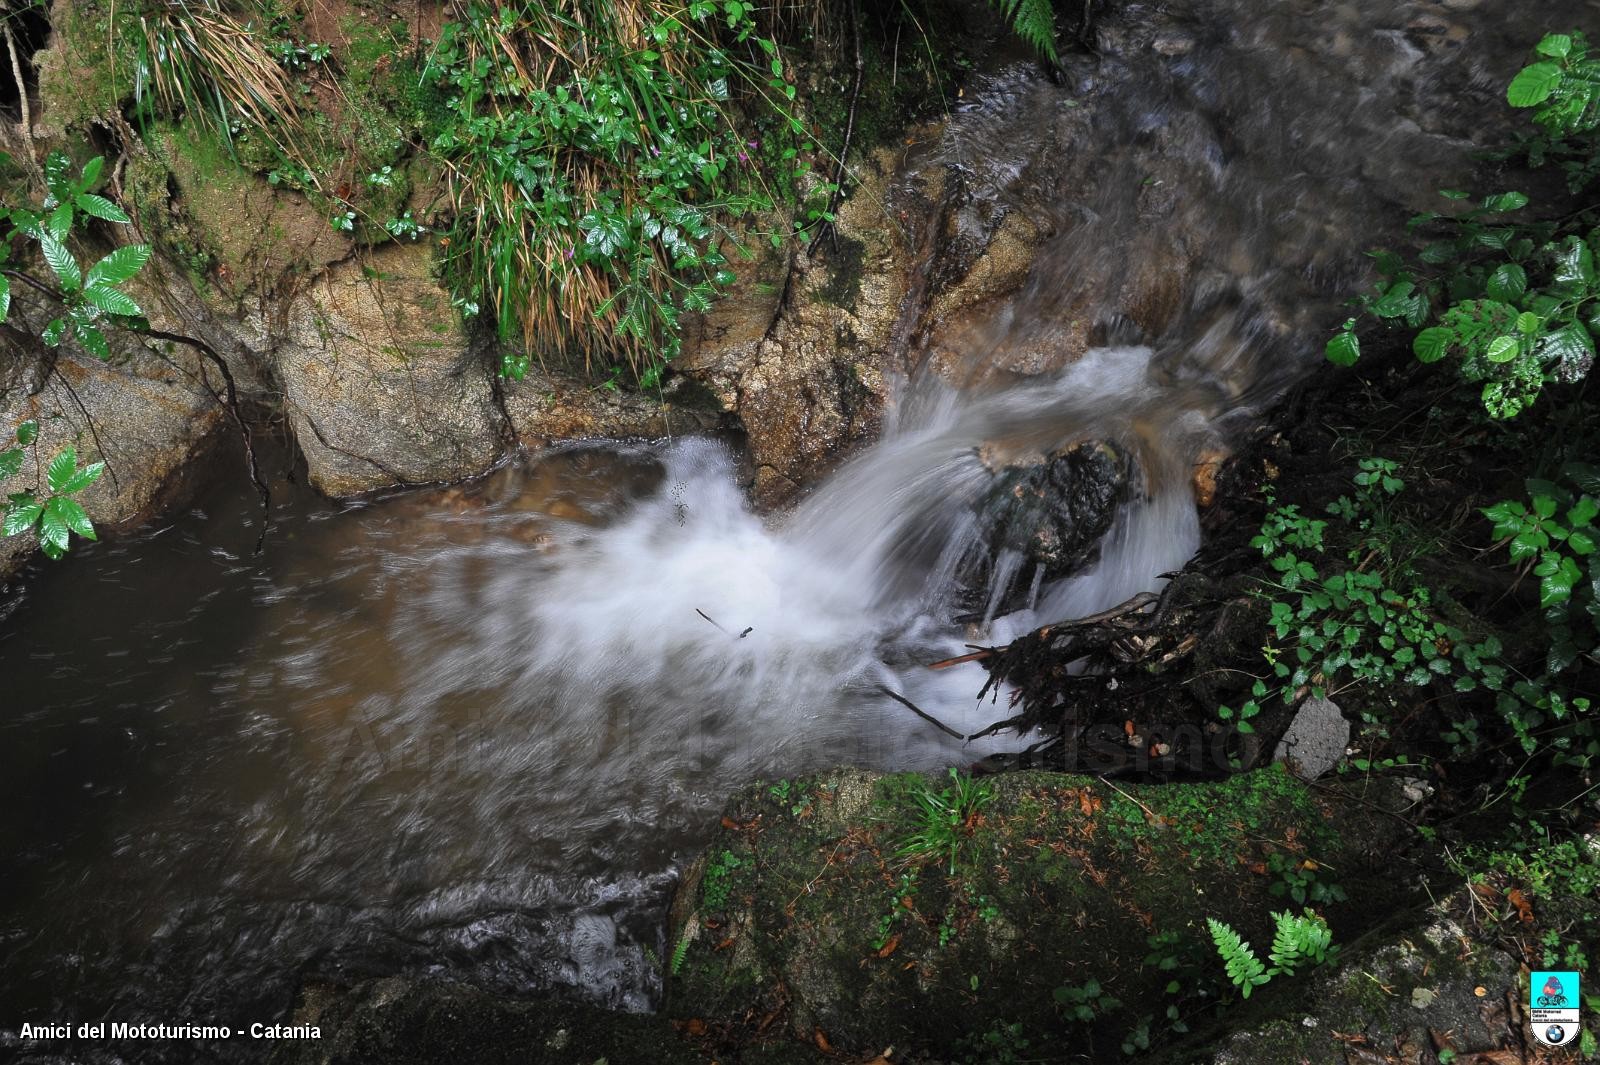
<point x="915" y="709"/>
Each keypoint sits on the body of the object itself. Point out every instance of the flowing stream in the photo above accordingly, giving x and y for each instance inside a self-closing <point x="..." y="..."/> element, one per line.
<point x="474" y="731"/>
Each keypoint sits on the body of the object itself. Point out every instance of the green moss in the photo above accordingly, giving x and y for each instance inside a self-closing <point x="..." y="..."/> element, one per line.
<point x="845" y="266"/>
<point x="1061" y="867"/>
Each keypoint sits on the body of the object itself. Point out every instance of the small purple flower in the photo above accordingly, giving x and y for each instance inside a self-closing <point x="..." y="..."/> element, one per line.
<point x="571" y="251"/>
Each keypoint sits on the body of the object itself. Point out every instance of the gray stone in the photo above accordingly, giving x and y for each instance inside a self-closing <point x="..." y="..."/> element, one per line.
<point x="1316" y="739"/>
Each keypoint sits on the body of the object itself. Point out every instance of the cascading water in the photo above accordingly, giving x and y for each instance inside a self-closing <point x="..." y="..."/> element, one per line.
<point x="473" y="732"/>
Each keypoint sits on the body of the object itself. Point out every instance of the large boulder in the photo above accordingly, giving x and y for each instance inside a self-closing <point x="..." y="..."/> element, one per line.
<point x="817" y="913"/>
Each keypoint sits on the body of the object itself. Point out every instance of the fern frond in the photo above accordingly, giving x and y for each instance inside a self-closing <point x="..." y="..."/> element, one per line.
<point x="681" y="951"/>
<point x="1297" y="940"/>
<point x="1244" y="968"/>
<point x="1032" y="20"/>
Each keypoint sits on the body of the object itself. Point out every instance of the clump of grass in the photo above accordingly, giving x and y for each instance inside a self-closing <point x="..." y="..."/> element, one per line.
<point x="945" y="819"/>
<point x="597" y="152"/>
<point x="197" y="59"/>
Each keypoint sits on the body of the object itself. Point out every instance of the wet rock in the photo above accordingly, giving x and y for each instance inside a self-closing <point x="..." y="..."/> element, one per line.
<point x="823" y="921"/>
<point x="1052" y="510"/>
<point x="1316" y="739"/>
<point x="545" y="408"/>
<point x="145" y="417"/>
<point x="1423" y="983"/>
<point x="379" y="381"/>
<point x="800" y="350"/>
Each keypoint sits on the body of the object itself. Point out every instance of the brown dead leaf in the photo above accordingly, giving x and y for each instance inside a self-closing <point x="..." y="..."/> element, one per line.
<point x="730" y="824"/>
<point x="695" y="1026"/>
<point x="822" y="1041"/>
<point x="724" y="945"/>
<point x="889" y="947"/>
<point x="1523" y="906"/>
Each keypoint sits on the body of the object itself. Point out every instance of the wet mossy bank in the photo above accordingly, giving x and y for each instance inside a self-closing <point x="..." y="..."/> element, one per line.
<point x="1072" y="929"/>
<point x="1070" y="905"/>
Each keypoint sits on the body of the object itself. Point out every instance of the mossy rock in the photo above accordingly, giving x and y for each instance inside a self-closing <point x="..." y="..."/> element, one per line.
<point x="803" y="916"/>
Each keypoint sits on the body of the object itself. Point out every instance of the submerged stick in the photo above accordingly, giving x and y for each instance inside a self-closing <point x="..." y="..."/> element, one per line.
<point x="915" y="709"/>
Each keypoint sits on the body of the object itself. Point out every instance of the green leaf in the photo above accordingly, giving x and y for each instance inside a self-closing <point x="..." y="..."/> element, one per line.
<point x="1343" y="349"/>
<point x="91" y="172"/>
<point x="1575" y="262"/>
<point x="1559" y="580"/>
<point x="72" y="515"/>
<point x="112" y="300"/>
<point x="62" y="467"/>
<point x="62" y="262"/>
<point x="5" y="297"/>
<point x="95" y="341"/>
<point x="54" y="532"/>
<point x="1528" y="323"/>
<point x="1502" y="349"/>
<point x="10" y="463"/>
<point x="1569" y="352"/>
<point x="83" y="478"/>
<point x="1555" y="45"/>
<point x="1431" y="344"/>
<point x="119" y="265"/>
<point x="1505" y="201"/>
<point x="100" y="207"/>
<point x="1507" y="283"/>
<point x="54" y="332"/>
<point x="27" y="432"/>
<point x="59" y="224"/>
<point x="21" y="517"/>
<point x="1533" y="85"/>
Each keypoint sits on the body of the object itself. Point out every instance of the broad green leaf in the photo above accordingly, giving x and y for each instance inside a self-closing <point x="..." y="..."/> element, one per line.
<point x="62" y="467"/>
<point x="1559" y="578"/>
<point x="59" y="224"/>
<point x="1431" y="344"/>
<point x="100" y="207"/>
<point x="1528" y="323"/>
<point x="1533" y="85"/>
<point x="54" y="332"/>
<point x="69" y="513"/>
<point x="84" y="478"/>
<point x="1568" y="352"/>
<point x="1343" y="349"/>
<point x="5" y="297"/>
<point x="54" y="532"/>
<point x="1555" y="45"/>
<point x="62" y="262"/>
<point x="91" y="172"/>
<point x="20" y="518"/>
<point x="1508" y="283"/>
<point x="1502" y="349"/>
<point x="95" y="341"/>
<point x="111" y="300"/>
<point x="1575" y="262"/>
<point x="27" y="432"/>
<point x="119" y="265"/>
<point x="1505" y="201"/>
<point x="10" y="463"/>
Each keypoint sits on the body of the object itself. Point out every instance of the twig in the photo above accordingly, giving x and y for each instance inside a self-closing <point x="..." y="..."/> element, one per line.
<point x="713" y="621"/>
<point x="88" y="418"/>
<point x="22" y="97"/>
<point x="238" y="419"/>
<point x="915" y="709"/>
<point x="1151" y="814"/>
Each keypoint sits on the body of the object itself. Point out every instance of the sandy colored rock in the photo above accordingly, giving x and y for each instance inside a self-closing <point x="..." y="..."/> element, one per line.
<point x="379" y="381"/>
